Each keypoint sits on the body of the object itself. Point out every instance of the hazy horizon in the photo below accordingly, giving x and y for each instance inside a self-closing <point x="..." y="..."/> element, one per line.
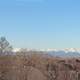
<point x="41" y="24"/>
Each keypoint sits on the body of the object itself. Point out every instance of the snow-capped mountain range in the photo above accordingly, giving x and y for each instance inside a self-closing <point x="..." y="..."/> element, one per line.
<point x="65" y="50"/>
<point x="68" y="52"/>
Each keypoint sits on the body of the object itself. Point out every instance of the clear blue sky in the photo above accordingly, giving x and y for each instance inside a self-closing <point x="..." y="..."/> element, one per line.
<point x="41" y="23"/>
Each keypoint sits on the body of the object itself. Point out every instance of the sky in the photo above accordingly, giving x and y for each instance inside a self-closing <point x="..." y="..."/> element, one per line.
<point x="41" y="24"/>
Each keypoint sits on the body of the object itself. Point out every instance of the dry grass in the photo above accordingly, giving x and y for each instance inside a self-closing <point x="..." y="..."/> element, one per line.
<point x="38" y="67"/>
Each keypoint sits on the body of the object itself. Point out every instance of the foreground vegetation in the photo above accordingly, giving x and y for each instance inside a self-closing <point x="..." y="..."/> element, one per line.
<point x="19" y="67"/>
<point x="33" y="65"/>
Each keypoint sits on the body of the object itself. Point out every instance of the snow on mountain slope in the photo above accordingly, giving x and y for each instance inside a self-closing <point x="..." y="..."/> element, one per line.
<point x="16" y="49"/>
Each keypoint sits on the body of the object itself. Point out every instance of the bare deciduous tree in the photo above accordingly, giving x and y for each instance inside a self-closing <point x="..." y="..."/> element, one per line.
<point x="5" y="47"/>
